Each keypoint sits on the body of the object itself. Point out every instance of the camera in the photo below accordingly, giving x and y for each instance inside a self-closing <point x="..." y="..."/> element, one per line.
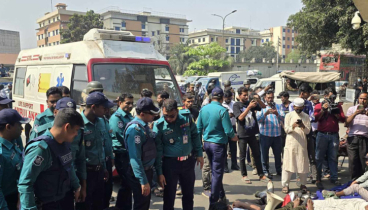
<point x="333" y="107"/>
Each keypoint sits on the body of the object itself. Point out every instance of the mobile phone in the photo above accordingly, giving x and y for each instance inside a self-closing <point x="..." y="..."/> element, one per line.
<point x="299" y="121"/>
<point x="360" y="107"/>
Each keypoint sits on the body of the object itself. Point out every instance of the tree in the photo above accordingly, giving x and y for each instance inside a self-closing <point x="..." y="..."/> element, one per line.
<point x="79" y="25"/>
<point x="293" y="55"/>
<point x="266" y="51"/>
<point x="320" y="23"/>
<point x="179" y="59"/>
<point x="209" y="59"/>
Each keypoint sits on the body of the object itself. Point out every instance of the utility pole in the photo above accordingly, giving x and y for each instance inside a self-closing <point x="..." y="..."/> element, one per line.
<point x="223" y="26"/>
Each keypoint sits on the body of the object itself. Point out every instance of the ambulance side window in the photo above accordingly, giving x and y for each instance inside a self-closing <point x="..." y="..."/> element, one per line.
<point x="80" y="81"/>
<point x="19" y="81"/>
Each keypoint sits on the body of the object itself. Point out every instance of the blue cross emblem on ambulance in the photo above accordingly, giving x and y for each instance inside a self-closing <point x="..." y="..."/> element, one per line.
<point x="60" y="80"/>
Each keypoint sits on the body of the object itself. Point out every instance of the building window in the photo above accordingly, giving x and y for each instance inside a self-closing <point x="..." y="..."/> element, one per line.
<point x="57" y="42"/>
<point x="283" y="46"/>
<point x="40" y="25"/>
<point x="262" y="41"/>
<point x="267" y="40"/>
<point x="158" y="42"/>
<point x="49" y="21"/>
<point x="182" y="40"/>
<point x="153" y="33"/>
<point x="117" y="28"/>
<point x="143" y="33"/>
<point x="53" y="33"/>
<point x="48" y="34"/>
<point x="143" y="26"/>
<point x="181" y="30"/>
<point x="58" y="18"/>
<point x="204" y="39"/>
<point x="57" y="32"/>
<point x="237" y="50"/>
<point x="123" y="24"/>
<point x="216" y="39"/>
<point x="288" y="38"/>
<point x="53" y="43"/>
<point x="167" y="38"/>
<point x="253" y="41"/>
<point x="49" y="44"/>
<point x="288" y="46"/>
<point x="211" y="39"/>
<point x="158" y="32"/>
<point x="283" y="30"/>
<point x="288" y="30"/>
<point x="232" y="41"/>
<point x="53" y="20"/>
<point x="227" y="40"/>
<point x="237" y="42"/>
<point x="199" y="40"/>
<point x="283" y="56"/>
<point x="292" y="38"/>
<point x="283" y="38"/>
<point x="238" y="31"/>
<point x="167" y="28"/>
<point x="232" y="50"/>
<point x="292" y="31"/>
<point x="227" y="49"/>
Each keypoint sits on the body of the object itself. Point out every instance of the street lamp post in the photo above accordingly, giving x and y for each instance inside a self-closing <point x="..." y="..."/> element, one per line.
<point x="223" y="25"/>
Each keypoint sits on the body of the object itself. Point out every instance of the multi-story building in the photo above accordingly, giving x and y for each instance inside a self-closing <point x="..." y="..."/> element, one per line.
<point x="237" y="39"/>
<point x="51" y="23"/>
<point x="164" y="29"/>
<point x="286" y="37"/>
<point x="9" y="47"/>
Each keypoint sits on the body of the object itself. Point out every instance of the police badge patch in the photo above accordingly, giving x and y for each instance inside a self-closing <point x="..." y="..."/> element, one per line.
<point x="88" y="143"/>
<point x="38" y="160"/>
<point x="120" y="124"/>
<point x="137" y="139"/>
<point x="69" y="104"/>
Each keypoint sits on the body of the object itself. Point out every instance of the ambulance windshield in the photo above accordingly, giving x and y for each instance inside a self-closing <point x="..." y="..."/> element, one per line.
<point x="132" y="78"/>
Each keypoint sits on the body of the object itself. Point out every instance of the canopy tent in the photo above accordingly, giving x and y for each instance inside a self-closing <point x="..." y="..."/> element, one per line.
<point x="312" y="77"/>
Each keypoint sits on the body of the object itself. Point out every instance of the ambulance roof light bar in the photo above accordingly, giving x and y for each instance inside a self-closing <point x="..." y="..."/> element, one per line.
<point x="102" y="34"/>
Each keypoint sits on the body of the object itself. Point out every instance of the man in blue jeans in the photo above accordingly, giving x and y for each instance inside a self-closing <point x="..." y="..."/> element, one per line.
<point x="269" y="121"/>
<point x="215" y="125"/>
<point x="327" y="142"/>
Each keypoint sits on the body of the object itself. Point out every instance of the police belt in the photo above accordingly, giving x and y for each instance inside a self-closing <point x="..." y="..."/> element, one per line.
<point x="94" y="167"/>
<point x="182" y="158"/>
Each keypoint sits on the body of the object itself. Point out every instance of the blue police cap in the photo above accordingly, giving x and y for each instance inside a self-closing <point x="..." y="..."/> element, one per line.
<point x="99" y="98"/>
<point x="66" y="102"/>
<point x="146" y="104"/>
<point x="10" y="116"/>
<point x="217" y="92"/>
<point x="4" y="100"/>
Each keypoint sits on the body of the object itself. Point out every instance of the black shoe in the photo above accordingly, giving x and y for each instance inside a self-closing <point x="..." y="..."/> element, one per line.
<point x="226" y="169"/>
<point x="235" y="167"/>
<point x="335" y="182"/>
<point x="269" y="176"/>
<point x="319" y="185"/>
<point x="278" y="174"/>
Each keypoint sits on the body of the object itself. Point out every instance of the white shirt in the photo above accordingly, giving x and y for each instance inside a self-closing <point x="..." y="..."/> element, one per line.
<point x="231" y="110"/>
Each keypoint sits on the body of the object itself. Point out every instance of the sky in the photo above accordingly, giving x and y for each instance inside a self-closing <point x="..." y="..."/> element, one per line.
<point x="21" y="15"/>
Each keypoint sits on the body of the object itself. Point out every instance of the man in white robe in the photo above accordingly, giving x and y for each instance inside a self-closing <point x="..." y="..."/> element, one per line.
<point x="297" y="126"/>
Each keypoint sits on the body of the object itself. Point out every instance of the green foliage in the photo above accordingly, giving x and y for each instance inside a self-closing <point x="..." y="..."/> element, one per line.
<point x="266" y="51"/>
<point x="179" y="59"/>
<point x="294" y="55"/>
<point x="79" y="25"/>
<point x="320" y="23"/>
<point x="209" y="59"/>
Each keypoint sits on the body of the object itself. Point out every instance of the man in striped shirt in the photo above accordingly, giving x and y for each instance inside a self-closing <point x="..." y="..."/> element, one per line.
<point x="270" y="120"/>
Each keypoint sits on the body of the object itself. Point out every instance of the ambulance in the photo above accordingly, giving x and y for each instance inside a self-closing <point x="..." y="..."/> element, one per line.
<point x="122" y="62"/>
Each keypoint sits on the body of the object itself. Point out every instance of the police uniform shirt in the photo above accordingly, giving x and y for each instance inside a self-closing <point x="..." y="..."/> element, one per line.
<point x="41" y="119"/>
<point x="38" y="158"/>
<point x="10" y="166"/>
<point x="214" y="123"/>
<point x="176" y="139"/>
<point x="118" y="122"/>
<point x="94" y="139"/>
<point x="135" y="137"/>
<point x="108" y="140"/>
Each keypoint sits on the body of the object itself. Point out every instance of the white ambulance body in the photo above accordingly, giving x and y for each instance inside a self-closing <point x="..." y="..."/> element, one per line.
<point x="123" y="63"/>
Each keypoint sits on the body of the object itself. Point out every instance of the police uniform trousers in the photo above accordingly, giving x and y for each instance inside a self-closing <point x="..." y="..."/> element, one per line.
<point x="216" y="154"/>
<point x="124" y="197"/>
<point x="12" y="201"/>
<point x="56" y="205"/>
<point x="95" y="188"/>
<point x="182" y="171"/>
<point x="108" y="184"/>
<point x="68" y="201"/>
<point x="140" y="202"/>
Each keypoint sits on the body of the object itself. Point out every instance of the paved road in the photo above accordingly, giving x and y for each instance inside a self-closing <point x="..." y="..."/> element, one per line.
<point x="238" y="190"/>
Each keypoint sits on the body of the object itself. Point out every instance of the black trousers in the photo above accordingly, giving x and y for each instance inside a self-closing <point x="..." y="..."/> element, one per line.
<point x="12" y="201"/>
<point x="95" y="190"/>
<point x="108" y="185"/>
<point x="68" y="201"/>
<point x="140" y="202"/>
<point x="311" y="147"/>
<point x="233" y="152"/>
<point x="52" y="206"/>
<point x="254" y="146"/>
<point x="182" y="171"/>
<point x="124" y="198"/>
<point x="357" y="149"/>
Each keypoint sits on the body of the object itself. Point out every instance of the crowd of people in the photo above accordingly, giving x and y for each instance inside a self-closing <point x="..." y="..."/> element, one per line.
<point x="67" y="162"/>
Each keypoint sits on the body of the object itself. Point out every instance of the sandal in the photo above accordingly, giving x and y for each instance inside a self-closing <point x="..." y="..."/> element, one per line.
<point x="285" y="190"/>
<point x="264" y="179"/>
<point x="303" y="189"/>
<point x="158" y="193"/>
<point x="246" y="180"/>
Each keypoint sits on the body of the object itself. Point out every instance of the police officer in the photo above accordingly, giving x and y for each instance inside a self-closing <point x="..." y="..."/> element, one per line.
<point x="10" y="157"/>
<point x="140" y="143"/>
<point x="214" y="123"/>
<point x="94" y="86"/>
<point x="118" y="122"/>
<point x="246" y="84"/>
<point x="78" y="152"/>
<point x="95" y="136"/>
<point x="176" y="138"/>
<point x="53" y="94"/>
<point x="48" y="173"/>
<point x="358" y="86"/>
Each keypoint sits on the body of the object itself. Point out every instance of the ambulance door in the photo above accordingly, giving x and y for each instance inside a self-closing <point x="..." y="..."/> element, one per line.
<point x="62" y="75"/>
<point x="79" y="83"/>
